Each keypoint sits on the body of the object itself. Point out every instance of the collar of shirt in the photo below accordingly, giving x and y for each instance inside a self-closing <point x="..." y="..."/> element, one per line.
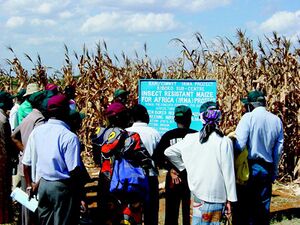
<point x="139" y="124"/>
<point x="59" y="122"/>
<point x="259" y="108"/>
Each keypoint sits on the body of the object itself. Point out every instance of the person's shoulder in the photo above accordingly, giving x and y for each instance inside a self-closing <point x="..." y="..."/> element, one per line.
<point x="24" y="104"/>
<point x="70" y="136"/>
<point x="153" y="130"/>
<point x="191" y="130"/>
<point x="273" y="116"/>
<point x="226" y="139"/>
<point x="171" y="133"/>
<point x="192" y="135"/>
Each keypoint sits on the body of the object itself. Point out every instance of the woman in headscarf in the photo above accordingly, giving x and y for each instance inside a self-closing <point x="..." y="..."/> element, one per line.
<point x="207" y="157"/>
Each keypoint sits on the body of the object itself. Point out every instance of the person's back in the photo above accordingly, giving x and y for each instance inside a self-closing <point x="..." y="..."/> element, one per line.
<point x="207" y="157"/>
<point x="205" y="178"/>
<point x="56" y="162"/>
<point x="262" y="133"/>
<point x="112" y="143"/>
<point x="263" y="130"/>
<point x="150" y="138"/>
<point x="59" y="166"/>
<point x="176" y="185"/>
<point x="20" y="137"/>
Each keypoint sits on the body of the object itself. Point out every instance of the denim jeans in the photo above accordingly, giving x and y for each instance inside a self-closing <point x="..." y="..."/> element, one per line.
<point x="207" y="213"/>
<point x="253" y="206"/>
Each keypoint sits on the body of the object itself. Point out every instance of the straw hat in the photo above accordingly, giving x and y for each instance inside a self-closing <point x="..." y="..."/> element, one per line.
<point x="31" y="88"/>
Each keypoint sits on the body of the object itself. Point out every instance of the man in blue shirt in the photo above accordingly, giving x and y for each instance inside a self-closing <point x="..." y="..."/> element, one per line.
<point x="262" y="133"/>
<point x="58" y="166"/>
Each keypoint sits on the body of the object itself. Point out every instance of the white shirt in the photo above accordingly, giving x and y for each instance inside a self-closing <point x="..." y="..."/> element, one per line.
<point x="149" y="136"/>
<point x="30" y="157"/>
<point x="210" y="166"/>
<point x="13" y="116"/>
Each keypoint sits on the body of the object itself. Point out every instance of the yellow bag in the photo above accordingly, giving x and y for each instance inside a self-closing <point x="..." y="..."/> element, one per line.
<point x="241" y="167"/>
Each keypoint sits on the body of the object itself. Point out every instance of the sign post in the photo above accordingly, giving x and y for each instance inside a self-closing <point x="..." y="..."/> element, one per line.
<point x="160" y="97"/>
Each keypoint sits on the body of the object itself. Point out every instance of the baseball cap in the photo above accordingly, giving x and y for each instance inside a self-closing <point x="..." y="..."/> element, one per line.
<point x="58" y="101"/>
<point x="37" y="97"/>
<point x="208" y="105"/>
<point x="182" y="110"/>
<point x="31" y="88"/>
<point x="119" y="92"/>
<point x="20" y="93"/>
<point x="51" y="87"/>
<point x="76" y="114"/>
<point x="114" y="109"/>
<point x="6" y="99"/>
<point x="253" y="96"/>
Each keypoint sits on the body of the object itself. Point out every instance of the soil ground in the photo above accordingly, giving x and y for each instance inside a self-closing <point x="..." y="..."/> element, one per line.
<point x="285" y="205"/>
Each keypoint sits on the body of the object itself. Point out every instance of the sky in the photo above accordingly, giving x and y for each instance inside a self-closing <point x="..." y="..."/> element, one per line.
<point x="43" y="27"/>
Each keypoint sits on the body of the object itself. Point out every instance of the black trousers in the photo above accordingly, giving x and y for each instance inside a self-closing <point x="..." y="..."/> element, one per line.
<point x="151" y="206"/>
<point x="176" y="193"/>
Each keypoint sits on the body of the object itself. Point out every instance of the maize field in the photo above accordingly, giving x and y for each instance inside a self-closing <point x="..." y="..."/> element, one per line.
<point x="272" y="66"/>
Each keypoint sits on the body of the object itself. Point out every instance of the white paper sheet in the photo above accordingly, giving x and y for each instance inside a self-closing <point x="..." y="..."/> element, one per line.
<point x="22" y="197"/>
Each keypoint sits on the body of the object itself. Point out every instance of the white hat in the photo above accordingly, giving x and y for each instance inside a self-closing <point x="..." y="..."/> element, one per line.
<point x="31" y="88"/>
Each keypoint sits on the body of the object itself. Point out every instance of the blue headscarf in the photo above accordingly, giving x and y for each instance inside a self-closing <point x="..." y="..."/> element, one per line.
<point x="210" y="116"/>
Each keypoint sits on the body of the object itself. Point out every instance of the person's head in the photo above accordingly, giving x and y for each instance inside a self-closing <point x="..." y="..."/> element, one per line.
<point x="30" y="89"/>
<point x="254" y="99"/>
<point x="69" y="92"/>
<point x="75" y="120"/>
<point x="117" y="115"/>
<point x="121" y="96"/>
<point x="58" y="107"/>
<point x="36" y="100"/>
<point x="210" y="116"/>
<point x="6" y="101"/>
<point x="52" y="88"/>
<point x="140" y="113"/>
<point x="183" y="116"/>
<point x="20" y="96"/>
<point x="210" y="113"/>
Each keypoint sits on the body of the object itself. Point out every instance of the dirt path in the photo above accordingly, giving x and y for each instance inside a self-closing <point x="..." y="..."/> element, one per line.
<point x="285" y="205"/>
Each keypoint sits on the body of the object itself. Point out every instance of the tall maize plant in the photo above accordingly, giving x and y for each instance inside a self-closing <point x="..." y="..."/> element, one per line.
<point x="272" y="66"/>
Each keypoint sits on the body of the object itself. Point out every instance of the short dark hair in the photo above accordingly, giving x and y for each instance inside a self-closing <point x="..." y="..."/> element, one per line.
<point x="183" y="119"/>
<point x="140" y="113"/>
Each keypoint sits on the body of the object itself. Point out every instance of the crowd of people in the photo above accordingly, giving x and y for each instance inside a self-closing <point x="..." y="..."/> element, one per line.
<point x="40" y="152"/>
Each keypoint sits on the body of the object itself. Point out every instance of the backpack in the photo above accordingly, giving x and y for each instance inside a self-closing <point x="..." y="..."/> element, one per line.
<point x="129" y="179"/>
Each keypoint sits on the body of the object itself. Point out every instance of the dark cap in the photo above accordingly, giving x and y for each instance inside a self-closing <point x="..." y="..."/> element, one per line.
<point x="183" y="110"/>
<point x="119" y="92"/>
<point x="254" y="96"/>
<point x="114" y="109"/>
<point x="6" y="99"/>
<point x="51" y="87"/>
<point x="75" y="114"/>
<point x="37" y="97"/>
<point x="208" y="105"/>
<point x="58" y="102"/>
